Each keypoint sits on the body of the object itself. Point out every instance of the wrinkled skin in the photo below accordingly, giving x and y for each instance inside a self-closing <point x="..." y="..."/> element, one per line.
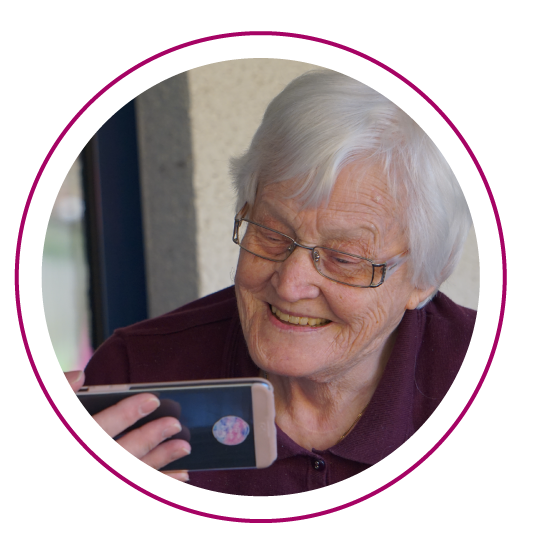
<point x="325" y="376"/>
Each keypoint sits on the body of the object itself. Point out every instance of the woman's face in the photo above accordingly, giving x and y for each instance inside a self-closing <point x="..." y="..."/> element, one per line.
<point x="360" y="218"/>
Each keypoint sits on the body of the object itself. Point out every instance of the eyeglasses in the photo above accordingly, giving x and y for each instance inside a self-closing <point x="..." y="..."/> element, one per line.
<point x="341" y="267"/>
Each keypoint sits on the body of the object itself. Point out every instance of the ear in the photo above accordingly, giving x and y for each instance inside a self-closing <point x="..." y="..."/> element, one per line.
<point x="418" y="296"/>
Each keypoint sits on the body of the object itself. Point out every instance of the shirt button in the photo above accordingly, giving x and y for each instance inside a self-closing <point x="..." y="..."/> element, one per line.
<point x="319" y="465"/>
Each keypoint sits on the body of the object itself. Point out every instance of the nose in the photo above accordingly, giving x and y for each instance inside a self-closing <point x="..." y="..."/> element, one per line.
<point x="296" y="278"/>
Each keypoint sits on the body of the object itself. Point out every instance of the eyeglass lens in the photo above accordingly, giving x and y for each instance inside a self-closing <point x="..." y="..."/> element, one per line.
<point x="330" y="263"/>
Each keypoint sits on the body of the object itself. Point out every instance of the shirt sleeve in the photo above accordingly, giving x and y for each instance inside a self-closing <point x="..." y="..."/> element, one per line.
<point x="109" y="364"/>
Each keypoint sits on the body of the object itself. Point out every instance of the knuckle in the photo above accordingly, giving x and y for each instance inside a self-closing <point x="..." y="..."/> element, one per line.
<point x="129" y="409"/>
<point x="126" y="413"/>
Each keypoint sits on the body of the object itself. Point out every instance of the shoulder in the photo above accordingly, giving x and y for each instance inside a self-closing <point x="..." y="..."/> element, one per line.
<point x="446" y="333"/>
<point x="211" y="309"/>
<point x="187" y="343"/>
<point x="448" y="323"/>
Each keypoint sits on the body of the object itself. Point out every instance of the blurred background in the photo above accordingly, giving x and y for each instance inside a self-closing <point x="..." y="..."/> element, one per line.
<point x="143" y="221"/>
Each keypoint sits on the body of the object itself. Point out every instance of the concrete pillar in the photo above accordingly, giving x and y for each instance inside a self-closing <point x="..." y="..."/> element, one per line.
<point x="166" y="178"/>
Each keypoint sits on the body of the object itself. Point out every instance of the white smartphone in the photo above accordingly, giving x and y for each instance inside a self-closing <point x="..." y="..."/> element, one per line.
<point x="230" y="424"/>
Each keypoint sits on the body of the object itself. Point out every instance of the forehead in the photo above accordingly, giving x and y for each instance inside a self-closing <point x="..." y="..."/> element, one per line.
<point x="360" y="202"/>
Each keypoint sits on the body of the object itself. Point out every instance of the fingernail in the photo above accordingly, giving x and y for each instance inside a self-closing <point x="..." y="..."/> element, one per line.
<point x="171" y="430"/>
<point x="184" y="477"/>
<point x="180" y="452"/>
<point x="148" y="406"/>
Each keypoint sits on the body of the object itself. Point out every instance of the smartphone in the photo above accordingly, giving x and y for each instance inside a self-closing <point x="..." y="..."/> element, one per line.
<point x="230" y="424"/>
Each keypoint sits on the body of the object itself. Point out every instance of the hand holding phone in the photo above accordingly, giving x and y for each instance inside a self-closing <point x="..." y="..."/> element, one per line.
<point x="229" y="422"/>
<point x="147" y="443"/>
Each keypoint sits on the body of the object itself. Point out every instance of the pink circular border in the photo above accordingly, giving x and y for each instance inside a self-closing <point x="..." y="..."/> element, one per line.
<point x="226" y="36"/>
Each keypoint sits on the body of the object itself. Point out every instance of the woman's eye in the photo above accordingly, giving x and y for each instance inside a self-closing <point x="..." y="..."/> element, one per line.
<point x="347" y="261"/>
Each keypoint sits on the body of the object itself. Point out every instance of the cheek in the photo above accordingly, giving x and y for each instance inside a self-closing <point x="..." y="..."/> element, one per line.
<point x="362" y="308"/>
<point x="252" y="273"/>
<point x="251" y="279"/>
<point x="366" y="316"/>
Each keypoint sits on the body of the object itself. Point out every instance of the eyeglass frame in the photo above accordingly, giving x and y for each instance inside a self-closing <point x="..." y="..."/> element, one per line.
<point x="387" y="266"/>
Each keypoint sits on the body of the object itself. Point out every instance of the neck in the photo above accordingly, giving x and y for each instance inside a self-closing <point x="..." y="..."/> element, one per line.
<point x="318" y="411"/>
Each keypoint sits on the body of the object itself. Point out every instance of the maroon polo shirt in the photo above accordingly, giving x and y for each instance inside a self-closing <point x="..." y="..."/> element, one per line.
<point x="204" y="340"/>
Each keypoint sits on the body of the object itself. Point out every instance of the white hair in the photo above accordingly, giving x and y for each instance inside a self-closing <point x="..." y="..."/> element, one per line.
<point x="323" y="121"/>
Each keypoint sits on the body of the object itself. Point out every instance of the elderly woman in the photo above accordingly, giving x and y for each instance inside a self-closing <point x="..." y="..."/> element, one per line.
<point x="348" y="219"/>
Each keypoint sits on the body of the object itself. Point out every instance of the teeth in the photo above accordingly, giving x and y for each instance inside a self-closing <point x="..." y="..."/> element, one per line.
<point x="296" y="320"/>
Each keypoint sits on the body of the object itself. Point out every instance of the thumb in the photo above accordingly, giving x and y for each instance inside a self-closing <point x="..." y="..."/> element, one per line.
<point x="75" y="378"/>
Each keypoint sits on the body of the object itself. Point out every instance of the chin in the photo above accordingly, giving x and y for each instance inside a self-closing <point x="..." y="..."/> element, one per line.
<point x="294" y="358"/>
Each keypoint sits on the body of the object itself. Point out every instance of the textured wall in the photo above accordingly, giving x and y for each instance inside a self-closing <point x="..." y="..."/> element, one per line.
<point x="227" y="101"/>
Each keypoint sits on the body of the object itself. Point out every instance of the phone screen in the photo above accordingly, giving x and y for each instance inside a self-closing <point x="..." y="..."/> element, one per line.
<point x="217" y="421"/>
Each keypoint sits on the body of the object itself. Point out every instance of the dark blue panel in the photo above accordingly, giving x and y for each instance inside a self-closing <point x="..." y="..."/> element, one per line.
<point x="123" y="265"/>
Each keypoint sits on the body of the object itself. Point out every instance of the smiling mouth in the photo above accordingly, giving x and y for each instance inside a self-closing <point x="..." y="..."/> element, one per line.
<point x="298" y="320"/>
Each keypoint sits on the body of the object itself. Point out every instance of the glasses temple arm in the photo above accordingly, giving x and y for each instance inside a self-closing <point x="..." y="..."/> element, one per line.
<point x="395" y="262"/>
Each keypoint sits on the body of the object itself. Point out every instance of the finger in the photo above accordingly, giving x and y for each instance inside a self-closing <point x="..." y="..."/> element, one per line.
<point x="146" y="443"/>
<point x="120" y="416"/>
<point x="75" y="378"/>
<point x="166" y="453"/>
<point x="178" y="475"/>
